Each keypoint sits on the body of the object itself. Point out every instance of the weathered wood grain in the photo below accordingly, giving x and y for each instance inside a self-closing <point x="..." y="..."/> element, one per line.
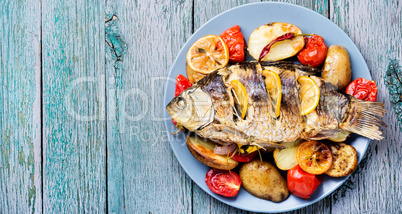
<point x="204" y="11"/>
<point x="20" y="126"/>
<point x="143" y="174"/>
<point x="97" y="155"/>
<point x="376" y="29"/>
<point x="74" y="126"/>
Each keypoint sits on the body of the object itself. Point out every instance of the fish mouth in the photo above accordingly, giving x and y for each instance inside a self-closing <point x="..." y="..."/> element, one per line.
<point x="192" y="109"/>
<point x="169" y="107"/>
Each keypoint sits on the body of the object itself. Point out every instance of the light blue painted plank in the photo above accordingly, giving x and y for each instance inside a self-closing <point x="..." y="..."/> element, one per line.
<point x="143" y="174"/>
<point x="74" y="132"/>
<point x="376" y="29"/>
<point x="20" y="154"/>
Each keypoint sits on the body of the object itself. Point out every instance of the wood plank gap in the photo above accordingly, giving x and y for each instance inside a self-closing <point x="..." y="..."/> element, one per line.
<point x="41" y="103"/>
<point x="192" y="17"/>
<point x="106" y="119"/>
<point x="329" y="10"/>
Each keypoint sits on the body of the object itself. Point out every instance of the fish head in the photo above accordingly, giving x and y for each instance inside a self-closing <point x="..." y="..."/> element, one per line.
<point x="192" y="108"/>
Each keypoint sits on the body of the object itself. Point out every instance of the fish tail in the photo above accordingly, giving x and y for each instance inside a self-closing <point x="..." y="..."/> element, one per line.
<point x="364" y="118"/>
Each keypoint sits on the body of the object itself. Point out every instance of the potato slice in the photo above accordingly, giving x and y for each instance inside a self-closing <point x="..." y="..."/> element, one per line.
<point x="344" y="160"/>
<point x="263" y="180"/>
<point x="341" y="136"/>
<point x="203" y="151"/>
<point x="264" y="34"/>
<point x="286" y="159"/>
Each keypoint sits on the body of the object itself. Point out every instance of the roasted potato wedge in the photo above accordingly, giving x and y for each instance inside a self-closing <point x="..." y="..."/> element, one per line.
<point x="337" y="68"/>
<point x="263" y="180"/>
<point x="344" y="160"/>
<point x="264" y="34"/>
<point x="203" y="151"/>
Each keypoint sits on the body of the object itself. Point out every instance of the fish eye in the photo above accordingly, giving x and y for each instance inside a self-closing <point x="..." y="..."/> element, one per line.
<point x="181" y="103"/>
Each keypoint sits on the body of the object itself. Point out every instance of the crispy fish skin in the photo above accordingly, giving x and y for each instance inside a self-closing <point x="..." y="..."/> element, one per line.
<point x="335" y="111"/>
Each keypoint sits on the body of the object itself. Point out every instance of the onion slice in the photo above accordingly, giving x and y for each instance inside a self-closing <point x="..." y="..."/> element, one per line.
<point x="224" y="150"/>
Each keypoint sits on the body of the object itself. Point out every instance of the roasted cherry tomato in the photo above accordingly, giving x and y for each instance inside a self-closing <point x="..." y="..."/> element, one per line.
<point x="243" y="158"/>
<point x="235" y="42"/>
<point x="363" y="89"/>
<point x="314" y="53"/>
<point x="223" y="182"/>
<point x="301" y="183"/>
<point x="182" y="83"/>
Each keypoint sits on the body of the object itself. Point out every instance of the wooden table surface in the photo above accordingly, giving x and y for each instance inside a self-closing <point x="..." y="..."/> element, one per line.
<point x="75" y="77"/>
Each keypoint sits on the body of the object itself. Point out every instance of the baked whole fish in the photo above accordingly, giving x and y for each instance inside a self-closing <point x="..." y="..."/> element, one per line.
<point x="207" y="108"/>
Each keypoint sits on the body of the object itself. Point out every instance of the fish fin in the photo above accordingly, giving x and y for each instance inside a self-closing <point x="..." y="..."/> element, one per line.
<point x="364" y="119"/>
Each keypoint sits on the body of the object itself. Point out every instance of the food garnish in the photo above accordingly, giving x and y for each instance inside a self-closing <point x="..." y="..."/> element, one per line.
<point x="337" y="69"/>
<point x="314" y="53"/>
<point x="340" y="137"/>
<point x="301" y="183"/>
<point x="344" y="160"/>
<point x="228" y="111"/>
<point x="314" y="157"/>
<point x="283" y="37"/>
<point x="208" y="54"/>
<point x="203" y="151"/>
<point x="182" y="84"/>
<point x="235" y="42"/>
<point x="363" y="89"/>
<point x="274" y="89"/>
<point x="240" y="97"/>
<point x="263" y="180"/>
<point x="286" y="159"/>
<point x="238" y="156"/>
<point x="223" y="182"/>
<point x="261" y="37"/>
<point x="309" y="95"/>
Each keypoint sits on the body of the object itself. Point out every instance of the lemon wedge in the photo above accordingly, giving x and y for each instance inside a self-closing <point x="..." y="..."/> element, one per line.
<point x="208" y="54"/>
<point x="241" y="97"/>
<point x="309" y="95"/>
<point x="274" y="89"/>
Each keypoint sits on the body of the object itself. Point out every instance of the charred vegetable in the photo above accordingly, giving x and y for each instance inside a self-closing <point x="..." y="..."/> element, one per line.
<point x="276" y="40"/>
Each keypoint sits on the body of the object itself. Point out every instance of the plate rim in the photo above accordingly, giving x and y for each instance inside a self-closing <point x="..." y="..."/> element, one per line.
<point x="167" y="125"/>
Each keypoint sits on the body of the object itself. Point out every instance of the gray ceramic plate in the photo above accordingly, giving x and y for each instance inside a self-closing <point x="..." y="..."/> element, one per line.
<point x="249" y="17"/>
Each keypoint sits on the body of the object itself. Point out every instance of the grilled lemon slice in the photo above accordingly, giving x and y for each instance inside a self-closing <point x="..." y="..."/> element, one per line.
<point x="314" y="157"/>
<point x="208" y="54"/>
<point x="309" y="95"/>
<point x="344" y="160"/>
<point x="241" y="97"/>
<point x="274" y="89"/>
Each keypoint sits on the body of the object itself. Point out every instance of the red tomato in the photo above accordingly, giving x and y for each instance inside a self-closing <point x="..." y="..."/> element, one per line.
<point x="235" y="42"/>
<point x="243" y="158"/>
<point x="182" y="84"/>
<point x="223" y="182"/>
<point x="301" y="183"/>
<point x="314" y="53"/>
<point x="363" y="89"/>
